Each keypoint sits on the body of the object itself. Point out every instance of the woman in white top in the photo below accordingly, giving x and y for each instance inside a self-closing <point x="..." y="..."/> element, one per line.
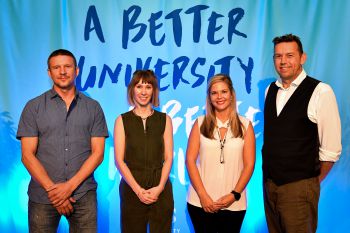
<point x="220" y="160"/>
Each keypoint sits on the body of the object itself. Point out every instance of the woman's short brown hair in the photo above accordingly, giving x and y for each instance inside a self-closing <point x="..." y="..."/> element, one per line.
<point x="146" y="76"/>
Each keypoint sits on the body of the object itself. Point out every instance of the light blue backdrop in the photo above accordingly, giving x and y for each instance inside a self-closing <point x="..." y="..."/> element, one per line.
<point x="185" y="42"/>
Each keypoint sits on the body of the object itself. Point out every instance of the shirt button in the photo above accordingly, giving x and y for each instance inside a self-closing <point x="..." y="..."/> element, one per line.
<point x="66" y="149"/>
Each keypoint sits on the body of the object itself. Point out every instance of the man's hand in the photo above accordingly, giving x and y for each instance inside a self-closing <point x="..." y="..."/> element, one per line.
<point x="66" y="207"/>
<point x="59" y="193"/>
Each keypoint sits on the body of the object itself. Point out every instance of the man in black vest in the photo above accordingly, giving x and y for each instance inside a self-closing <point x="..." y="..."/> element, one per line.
<point x="302" y="140"/>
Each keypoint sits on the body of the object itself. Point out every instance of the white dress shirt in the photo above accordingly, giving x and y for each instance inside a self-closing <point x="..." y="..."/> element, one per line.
<point x="322" y="110"/>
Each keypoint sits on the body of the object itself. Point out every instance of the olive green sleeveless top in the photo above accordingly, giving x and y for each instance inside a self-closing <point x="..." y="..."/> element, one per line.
<point x="144" y="147"/>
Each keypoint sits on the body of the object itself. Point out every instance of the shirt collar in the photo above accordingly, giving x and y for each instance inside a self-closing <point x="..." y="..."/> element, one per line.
<point x="54" y="94"/>
<point x="296" y="81"/>
<point x="221" y="124"/>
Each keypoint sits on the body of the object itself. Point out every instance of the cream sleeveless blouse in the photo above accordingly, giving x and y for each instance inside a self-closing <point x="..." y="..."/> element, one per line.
<point x="218" y="178"/>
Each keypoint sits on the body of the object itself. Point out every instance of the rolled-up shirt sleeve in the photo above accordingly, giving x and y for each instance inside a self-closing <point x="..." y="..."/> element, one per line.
<point x="326" y="115"/>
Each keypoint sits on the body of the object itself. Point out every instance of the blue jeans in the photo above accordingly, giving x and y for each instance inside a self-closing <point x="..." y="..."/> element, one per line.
<point x="45" y="218"/>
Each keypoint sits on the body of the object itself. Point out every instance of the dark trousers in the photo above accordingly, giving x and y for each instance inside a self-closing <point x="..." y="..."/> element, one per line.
<point x="224" y="221"/>
<point x="292" y="207"/>
<point x="44" y="218"/>
<point x="136" y="216"/>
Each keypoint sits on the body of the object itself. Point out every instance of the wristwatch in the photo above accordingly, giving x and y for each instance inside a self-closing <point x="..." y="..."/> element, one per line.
<point x="237" y="195"/>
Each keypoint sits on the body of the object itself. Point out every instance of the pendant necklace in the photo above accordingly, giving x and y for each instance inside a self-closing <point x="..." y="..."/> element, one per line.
<point x="222" y="143"/>
<point x="144" y="119"/>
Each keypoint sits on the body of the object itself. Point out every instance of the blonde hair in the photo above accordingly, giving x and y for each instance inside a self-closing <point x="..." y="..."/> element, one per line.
<point x="146" y="76"/>
<point x="209" y="122"/>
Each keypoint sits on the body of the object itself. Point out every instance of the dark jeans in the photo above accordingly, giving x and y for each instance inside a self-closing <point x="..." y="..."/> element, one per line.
<point x="224" y="221"/>
<point x="292" y="207"/>
<point x="45" y="218"/>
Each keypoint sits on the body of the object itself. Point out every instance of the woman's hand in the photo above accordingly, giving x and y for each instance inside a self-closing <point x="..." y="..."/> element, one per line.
<point x="155" y="192"/>
<point x="224" y="201"/>
<point x="207" y="204"/>
<point x="145" y="196"/>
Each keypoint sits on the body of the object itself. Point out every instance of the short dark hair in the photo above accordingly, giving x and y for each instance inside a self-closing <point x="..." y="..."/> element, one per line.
<point x="61" y="52"/>
<point x="146" y="76"/>
<point x="289" y="38"/>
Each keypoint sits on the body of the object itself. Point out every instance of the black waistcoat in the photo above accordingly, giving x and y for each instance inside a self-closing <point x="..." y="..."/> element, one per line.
<point x="291" y="146"/>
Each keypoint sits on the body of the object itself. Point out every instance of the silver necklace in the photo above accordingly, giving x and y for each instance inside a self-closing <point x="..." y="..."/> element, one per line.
<point x="222" y="143"/>
<point x="143" y="118"/>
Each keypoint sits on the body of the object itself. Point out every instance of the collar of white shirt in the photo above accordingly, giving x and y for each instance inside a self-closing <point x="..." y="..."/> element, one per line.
<point x="221" y="124"/>
<point x="296" y="81"/>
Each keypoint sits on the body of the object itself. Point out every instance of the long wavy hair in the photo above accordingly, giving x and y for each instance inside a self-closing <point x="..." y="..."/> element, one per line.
<point x="209" y="122"/>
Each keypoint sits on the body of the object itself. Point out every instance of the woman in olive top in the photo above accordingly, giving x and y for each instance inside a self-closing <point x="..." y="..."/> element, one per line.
<point x="143" y="139"/>
<point x="220" y="161"/>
